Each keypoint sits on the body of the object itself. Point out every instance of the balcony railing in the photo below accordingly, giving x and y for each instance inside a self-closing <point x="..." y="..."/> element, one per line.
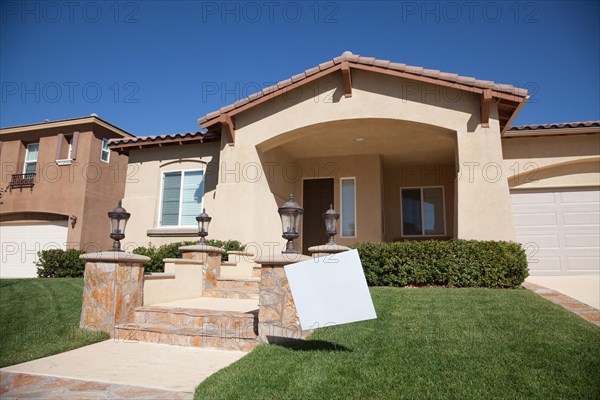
<point x="22" y="181"/>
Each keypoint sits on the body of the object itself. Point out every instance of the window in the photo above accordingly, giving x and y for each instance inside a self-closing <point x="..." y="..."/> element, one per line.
<point x="60" y="151"/>
<point x="423" y="211"/>
<point x="70" y="153"/>
<point x="31" y="156"/>
<point x="181" y="197"/>
<point x="348" y="188"/>
<point x="105" y="153"/>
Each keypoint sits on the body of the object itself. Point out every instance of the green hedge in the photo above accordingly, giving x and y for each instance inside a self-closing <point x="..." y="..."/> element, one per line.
<point x="456" y="263"/>
<point x="171" y="250"/>
<point x="66" y="263"/>
<point x="58" y="263"/>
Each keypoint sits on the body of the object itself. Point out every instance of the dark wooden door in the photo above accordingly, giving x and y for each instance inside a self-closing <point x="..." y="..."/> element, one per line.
<point x="317" y="195"/>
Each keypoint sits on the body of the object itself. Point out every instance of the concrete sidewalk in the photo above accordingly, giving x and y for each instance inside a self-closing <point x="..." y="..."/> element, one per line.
<point x="585" y="288"/>
<point x="142" y="365"/>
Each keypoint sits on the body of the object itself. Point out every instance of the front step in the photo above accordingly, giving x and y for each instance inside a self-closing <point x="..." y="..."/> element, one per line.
<point x="234" y="293"/>
<point x="231" y="330"/>
<point x="183" y="336"/>
<point x="197" y="318"/>
<point x="238" y="283"/>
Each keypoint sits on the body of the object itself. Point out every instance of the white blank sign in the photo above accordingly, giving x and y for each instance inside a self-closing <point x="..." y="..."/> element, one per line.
<point x="330" y="290"/>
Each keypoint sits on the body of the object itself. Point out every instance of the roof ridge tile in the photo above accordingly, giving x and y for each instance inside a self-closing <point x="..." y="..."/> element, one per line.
<point x="369" y="61"/>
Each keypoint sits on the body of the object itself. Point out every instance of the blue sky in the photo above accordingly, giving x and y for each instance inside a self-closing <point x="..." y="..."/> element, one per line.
<point x="154" y="67"/>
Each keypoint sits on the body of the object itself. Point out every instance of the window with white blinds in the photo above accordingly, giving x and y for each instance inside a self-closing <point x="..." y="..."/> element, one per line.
<point x="181" y="197"/>
<point x="31" y="157"/>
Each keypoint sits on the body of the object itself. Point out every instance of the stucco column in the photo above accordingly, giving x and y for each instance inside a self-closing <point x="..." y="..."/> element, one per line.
<point x="113" y="288"/>
<point x="277" y="317"/>
<point x="483" y="199"/>
<point x="211" y="257"/>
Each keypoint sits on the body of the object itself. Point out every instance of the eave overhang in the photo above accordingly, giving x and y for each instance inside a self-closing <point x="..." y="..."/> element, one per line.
<point x="509" y="99"/>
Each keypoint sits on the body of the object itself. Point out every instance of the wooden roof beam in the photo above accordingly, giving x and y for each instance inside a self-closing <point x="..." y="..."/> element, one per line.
<point x="347" y="79"/>
<point x="486" y="99"/>
<point x="228" y="127"/>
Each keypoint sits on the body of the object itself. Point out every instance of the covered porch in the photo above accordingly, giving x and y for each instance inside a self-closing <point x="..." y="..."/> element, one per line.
<point x="390" y="180"/>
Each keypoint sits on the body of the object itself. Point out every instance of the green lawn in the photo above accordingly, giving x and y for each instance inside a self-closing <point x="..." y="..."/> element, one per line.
<point x="430" y="343"/>
<point x="40" y="317"/>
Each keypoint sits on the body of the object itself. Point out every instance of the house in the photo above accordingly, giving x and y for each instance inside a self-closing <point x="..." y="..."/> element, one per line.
<point x="59" y="179"/>
<point x="402" y="152"/>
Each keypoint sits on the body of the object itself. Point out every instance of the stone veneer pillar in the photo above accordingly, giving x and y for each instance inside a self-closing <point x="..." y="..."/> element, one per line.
<point x="113" y="288"/>
<point x="209" y="255"/>
<point x="277" y="317"/>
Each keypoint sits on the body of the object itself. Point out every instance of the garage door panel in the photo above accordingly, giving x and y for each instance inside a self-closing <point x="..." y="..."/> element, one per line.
<point x="580" y="197"/>
<point x="581" y="218"/>
<point x="582" y="241"/>
<point x="540" y="241"/>
<point x="582" y="264"/>
<point x="543" y="264"/>
<point x="20" y="244"/>
<point x="560" y="229"/>
<point x="527" y="198"/>
<point x="537" y="219"/>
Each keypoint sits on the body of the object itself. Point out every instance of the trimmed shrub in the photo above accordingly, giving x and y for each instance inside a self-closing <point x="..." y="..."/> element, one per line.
<point x="58" y="263"/>
<point x="171" y="250"/>
<point x="456" y="263"/>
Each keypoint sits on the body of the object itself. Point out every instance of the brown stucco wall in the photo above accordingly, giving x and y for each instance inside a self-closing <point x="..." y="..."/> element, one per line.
<point x="87" y="188"/>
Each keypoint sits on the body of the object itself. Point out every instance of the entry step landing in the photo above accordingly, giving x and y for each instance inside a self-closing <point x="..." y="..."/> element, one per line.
<point x="233" y="293"/>
<point x="238" y="283"/>
<point x="230" y="324"/>
<point x="211" y="303"/>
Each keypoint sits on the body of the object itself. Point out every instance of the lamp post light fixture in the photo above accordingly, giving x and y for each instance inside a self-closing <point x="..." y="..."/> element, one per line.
<point x="118" y="221"/>
<point x="290" y="214"/>
<point x="331" y="216"/>
<point x="203" y="222"/>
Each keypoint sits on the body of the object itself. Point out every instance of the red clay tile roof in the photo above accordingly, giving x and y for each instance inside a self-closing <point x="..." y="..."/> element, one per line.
<point x="123" y="144"/>
<point x="172" y="136"/>
<point x="370" y="61"/>
<point x="562" y="125"/>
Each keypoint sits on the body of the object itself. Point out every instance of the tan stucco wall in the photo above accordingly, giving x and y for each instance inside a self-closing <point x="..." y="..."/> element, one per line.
<point x="257" y="173"/>
<point x="142" y="192"/>
<point x="187" y="284"/>
<point x="484" y="207"/>
<point x="482" y="194"/>
<point x="552" y="161"/>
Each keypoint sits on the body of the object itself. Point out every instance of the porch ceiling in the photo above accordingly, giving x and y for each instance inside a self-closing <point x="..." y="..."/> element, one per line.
<point x="396" y="141"/>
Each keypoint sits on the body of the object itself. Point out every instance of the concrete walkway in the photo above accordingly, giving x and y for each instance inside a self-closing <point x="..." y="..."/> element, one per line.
<point x="25" y="386"/>
<point x="584" y="288"/>
<point x="117" y="370"/>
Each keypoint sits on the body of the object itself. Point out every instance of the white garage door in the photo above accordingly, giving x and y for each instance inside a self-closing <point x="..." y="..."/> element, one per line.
<point x="559" y="229"/>
<point x="21" y="242"/>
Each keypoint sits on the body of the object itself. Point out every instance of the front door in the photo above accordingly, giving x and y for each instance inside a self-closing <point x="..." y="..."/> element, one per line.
<point x="317" y="196"/>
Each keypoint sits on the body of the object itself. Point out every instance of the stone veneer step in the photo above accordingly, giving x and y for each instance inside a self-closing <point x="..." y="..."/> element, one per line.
<point x="231" y="330"/>
<point x="233" y="293"/>
<point x="197" y="318"/>
<point x="213" y="337"/>
<point x="236" y="283"/>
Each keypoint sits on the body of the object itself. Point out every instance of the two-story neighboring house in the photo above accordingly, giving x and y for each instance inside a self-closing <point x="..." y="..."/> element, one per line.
<point x="59" y="179"/>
